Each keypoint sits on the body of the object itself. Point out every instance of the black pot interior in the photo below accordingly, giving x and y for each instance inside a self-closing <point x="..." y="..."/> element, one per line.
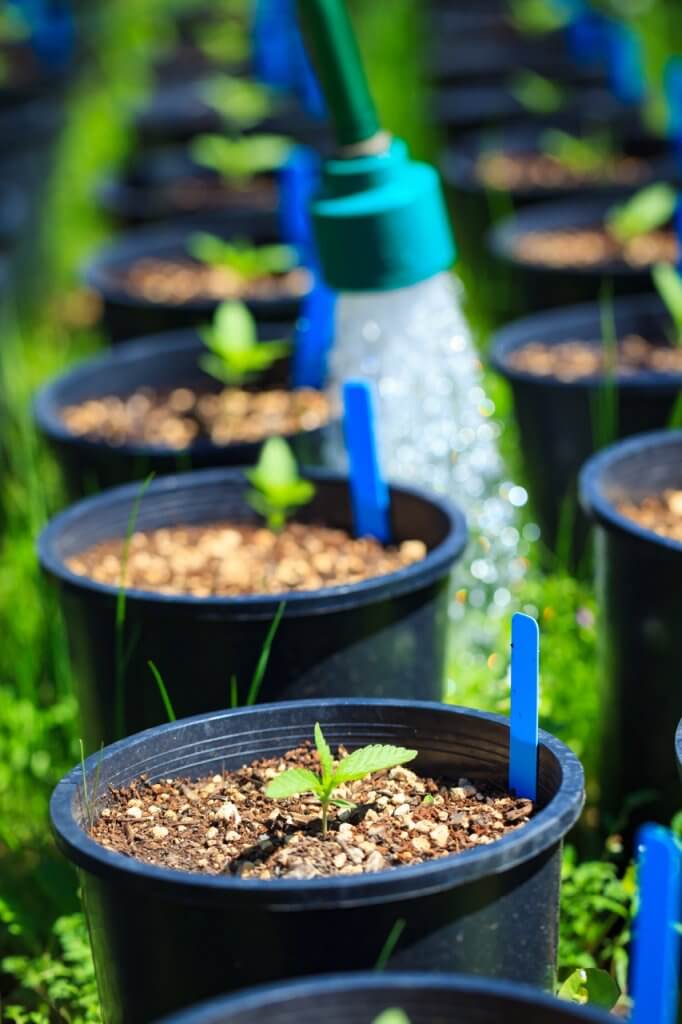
<point x="640" y="472"/>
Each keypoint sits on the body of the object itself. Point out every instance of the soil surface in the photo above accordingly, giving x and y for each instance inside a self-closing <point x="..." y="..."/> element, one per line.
<point x="510" y="171"/>
<point x="181" y="280"/>
<point x="203" y="192"/>
<point x="233" y="559"/>
<point x="661" y="513"/>
<point x="594" y="246"/>
<point x="574" y="359"/>
<point x="224" y="824"/>
<point x="181" y="417"/>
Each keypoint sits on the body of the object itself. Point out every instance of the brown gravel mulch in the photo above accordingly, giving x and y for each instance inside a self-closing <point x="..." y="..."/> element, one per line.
<point x="234" y="559"/>
<point x="181" y="417"/>
<point x="510" y="171"/>
<point x="592" y="246"/>
<point x="573" y="359"/>
<point x="224" y="824"/>
<point x="661" y="513"/>
<point x="206" y="193"/>
<point x="177" y="281"/>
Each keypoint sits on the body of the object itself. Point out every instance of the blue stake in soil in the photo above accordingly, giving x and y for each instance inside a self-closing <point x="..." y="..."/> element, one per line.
<point x="369" y="490"/>
<point x="625" y="63"/>
<point x="525" y="700"/>
<point x="298" y="179"/>
<point x="314" y="336"/>
<point x="271" y="29"/>
<point x="655" y="957"/>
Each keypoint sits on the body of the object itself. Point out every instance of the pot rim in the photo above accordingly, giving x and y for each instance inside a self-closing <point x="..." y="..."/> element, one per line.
<point x="601" y="510"/>
<point x="435" y="566"/>
<point x="49" y="401"/>
<point x="500" y="238"/>
<point x="517" y="333"/>
<point x="330" y="985"/>
<point x="542" y="832"/>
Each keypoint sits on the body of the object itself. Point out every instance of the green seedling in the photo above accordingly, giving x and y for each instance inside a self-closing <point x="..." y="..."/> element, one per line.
<point x="250" y="262"/>
<point x="358" y="765"/>
<point x="278" y="490"/>
<point x="581" y="156"/>
<point x="669" y="286"/>
<point x="224" y="42"/>
<point x="236" y="354"/>
<point x="238" y="161"/>
<point x="589" y="985"/>
<point x="537" y="94"/>
<point x="242" y="103"/>
<point x="392" y="1016"/>
<point x="650" y="208"/>
<point x="535" y="17"/>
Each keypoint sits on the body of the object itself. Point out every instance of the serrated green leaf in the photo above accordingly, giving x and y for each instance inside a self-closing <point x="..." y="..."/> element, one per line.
<point x="374" y="758"/>
<point x="669" y="286"/>
<point x="590" y="985"/>
<point x="325" y="754"/>
<point x="649" y="209"/>
<point x="291" y="783"/>
<point x="392" y="1016"/>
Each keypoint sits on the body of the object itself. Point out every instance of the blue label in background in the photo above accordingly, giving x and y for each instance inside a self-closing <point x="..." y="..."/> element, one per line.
<point x="298" y="181"/>
<point x="625" y="63"/>
<point x="52" y="30"/>
<point x="314" y="336"/>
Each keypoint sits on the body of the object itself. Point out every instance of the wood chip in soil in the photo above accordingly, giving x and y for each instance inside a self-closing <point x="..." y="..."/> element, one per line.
<point x="573" y="359"/>
<point x="511" y="171"/>
<point x="224" y="824"/>
<point x="183" y="416"/>
<point x="234" y="559"/>
<point x="661" y="513"/>
<point x="177" y="281"/>
<point x="594" y="246"/>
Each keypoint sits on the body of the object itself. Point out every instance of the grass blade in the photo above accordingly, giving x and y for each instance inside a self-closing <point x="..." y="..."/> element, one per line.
<point x="163" y="691"/>
<point x="264" y="657"/>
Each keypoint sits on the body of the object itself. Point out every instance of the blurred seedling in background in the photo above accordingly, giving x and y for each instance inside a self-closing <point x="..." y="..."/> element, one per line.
<point x="250" y="262"/>
<point x="238" y="161"/>
<point x="392" y="1016"/>
<point x="647" y="210"/>
<point x="535" y="17"/>
<point x="358" y="765"/>
<point x="241" y="103"/>
<point x="578" y="155"/>
<point x="225" y="42"/>
<point x="277" y="488"/>
<point x="537" y="94"/>
<point x="669" y="286"/>
<point x="236" y="355"/>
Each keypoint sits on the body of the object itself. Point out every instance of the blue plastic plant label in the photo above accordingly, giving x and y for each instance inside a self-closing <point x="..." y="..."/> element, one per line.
<point x="314" y="336"/>
<point x="369" y="490"/>
<point x="298" y="180"/>
<point x="625" y="63"/>
<point x="525" y="706"/>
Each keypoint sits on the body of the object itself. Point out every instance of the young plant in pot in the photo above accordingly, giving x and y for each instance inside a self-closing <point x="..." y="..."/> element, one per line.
<point x="582" y="377"/>
<point x="190" y="572"/>
<point x="161" y="278"/>
<point x="632" y="492"/>
<point x="184" y="400"/>
<point x="437" y="866"/>
<point x="213" y="173"/>
<point x="558" y="253"/>
<point x="178" y="112"/>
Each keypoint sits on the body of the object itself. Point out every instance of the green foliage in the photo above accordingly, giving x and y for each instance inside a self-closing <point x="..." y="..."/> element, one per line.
<point x="238" y="161"/>
<point x="224" y="42"/>
<point x="590" y="985"/>
<point x="236" y="353"/>
<point x="358" y="765"/>
<point x="56" y="983"/>
<point x="278" y="488"/>
<point x="250" y="262"/>
<point x="537" y="94"/>
<point x="648" y="209"/>
<point x="242" y="103"/>
<point x="597" y="908"/>
<point x="392" y="1016"/>
<point x="535" y="17"/>
<point x="579" y="155"/>
<point x="669" y="286"/>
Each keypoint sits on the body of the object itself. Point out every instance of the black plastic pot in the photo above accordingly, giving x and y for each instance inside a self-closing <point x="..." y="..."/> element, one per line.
<point x="489" y="911"/>
<point x="361" y="998"/>
<point x="162" y="362"/>
<point x="538" y="286"/>
<point x="562" y="423"/>
<point x="466" y="59"/>
<point x="466" y="108"/>
<point x="177" y="113"/>
<point x="140" y="194"/>
<point x="638" y="577"/>
<point x="382" y="637"/>
<point x="126" y="315"/>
